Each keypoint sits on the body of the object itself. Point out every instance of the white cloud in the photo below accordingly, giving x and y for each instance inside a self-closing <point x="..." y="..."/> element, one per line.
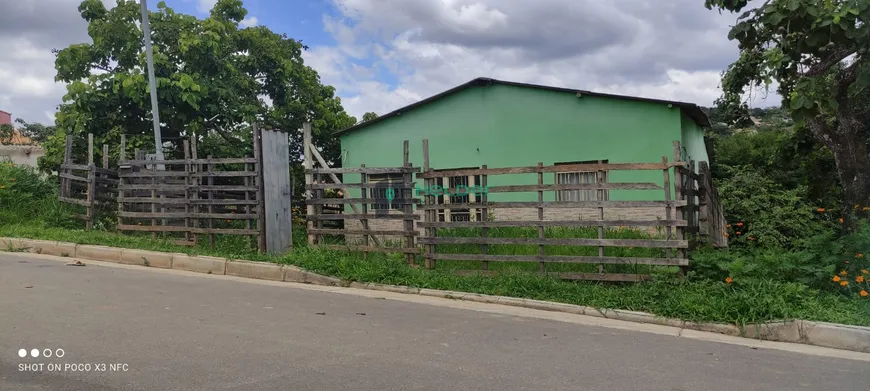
<point x="249" y="22"/>
<point x="205" y="6"/>
<point x="673" y="50"/>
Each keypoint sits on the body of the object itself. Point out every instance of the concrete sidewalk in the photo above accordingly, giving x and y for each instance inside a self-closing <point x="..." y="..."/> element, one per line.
<point x="180" y="331"/>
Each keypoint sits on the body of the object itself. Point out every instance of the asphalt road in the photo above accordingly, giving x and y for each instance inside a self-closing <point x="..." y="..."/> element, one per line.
<point x="167" y="330"/>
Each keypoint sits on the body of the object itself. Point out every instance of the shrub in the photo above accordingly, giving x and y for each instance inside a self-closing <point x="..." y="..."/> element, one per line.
<point x="27" y="195"/>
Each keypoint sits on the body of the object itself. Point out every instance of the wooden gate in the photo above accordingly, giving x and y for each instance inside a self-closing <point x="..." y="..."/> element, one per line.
<point x="277" y="194"/>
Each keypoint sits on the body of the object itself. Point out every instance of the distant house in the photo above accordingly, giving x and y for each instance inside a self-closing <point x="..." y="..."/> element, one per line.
<point x="19" y="149"/>
<point x="507" y="124"/>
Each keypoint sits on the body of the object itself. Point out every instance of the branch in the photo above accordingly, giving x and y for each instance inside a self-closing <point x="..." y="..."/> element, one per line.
<point x="826" y="64"/>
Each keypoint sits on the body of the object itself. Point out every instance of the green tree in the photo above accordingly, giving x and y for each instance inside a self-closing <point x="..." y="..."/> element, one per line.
<point x="817" y="52"/>
<point x="35" y="130"/>
<point x="369" y="116"/>
<point x="213" y="80"/>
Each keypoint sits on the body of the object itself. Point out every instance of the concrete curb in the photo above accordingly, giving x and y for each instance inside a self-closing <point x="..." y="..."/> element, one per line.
<point x="845" y="337"/>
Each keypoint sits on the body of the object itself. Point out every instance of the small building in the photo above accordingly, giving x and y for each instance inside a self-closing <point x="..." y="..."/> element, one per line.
<point x="18" y="149"/>
<point x="507" y="124"/>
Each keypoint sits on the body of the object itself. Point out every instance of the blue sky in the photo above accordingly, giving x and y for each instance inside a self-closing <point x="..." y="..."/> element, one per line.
<point x="381" y="55"/>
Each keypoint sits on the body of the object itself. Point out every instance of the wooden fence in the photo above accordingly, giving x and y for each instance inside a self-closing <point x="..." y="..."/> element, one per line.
<point x="323" y="178"/>
<point x="192" y="196"/>
<point x="92" y="187"/>
<point x="678" y="220"/>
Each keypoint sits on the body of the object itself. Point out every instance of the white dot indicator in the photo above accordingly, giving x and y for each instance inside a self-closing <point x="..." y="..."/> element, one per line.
<point x="34" y="353"/>
<point x="22" y="353"/>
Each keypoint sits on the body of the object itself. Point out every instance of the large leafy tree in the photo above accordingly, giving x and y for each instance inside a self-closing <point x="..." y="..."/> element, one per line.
<point x="214" y="79"/>
<point x="817" y="51"/>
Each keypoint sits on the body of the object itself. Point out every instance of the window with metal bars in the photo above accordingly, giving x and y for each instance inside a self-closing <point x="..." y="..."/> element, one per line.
<point x="397" y="180"/>
<point x="581" y="177"/>
<point x="453" y="196"/>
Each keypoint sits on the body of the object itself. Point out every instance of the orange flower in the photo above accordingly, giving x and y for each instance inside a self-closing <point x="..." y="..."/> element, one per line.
<point x="859" y="279"/>
<point x="726" y="234"/>
<point x="859" y="255"/>
<point x="739" y="224"/>
<point x="844" y="273"/>
<point x="864" y="271"/>
<point x="866" y="208"/>
<point x="728" y="225"/>
<point x="752" y="238"/>
<point x="844" y="283"/>
<point x="729" y="280"/>
<point x="738" y="233"/>
<point x="228" y="220"/>
<point x="820" y="210"/>
<point x="863" y="293"/>
<point x="836" y="279"/>
<point x="841" y="220"/>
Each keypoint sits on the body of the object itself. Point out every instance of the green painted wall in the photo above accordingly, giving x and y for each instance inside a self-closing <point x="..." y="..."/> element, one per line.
<point x="508" y="126"/>
<point x="693" y="140"/>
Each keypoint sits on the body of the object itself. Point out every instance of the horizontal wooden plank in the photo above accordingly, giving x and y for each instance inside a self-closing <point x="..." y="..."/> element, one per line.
<point x="155" y="174"/>
<point x="73" y="201"/>
<point x="345" y="201"/>
<point x="562" y="259"/>
<point x="182" y="188"/>
<point x="615" y="277"/>
<point x="324" y="186"/>
<point x="370" y="216"/>
<point x="556" y="223"/>
<point x="363" y="170"/>
<point x="559" y="204"/>
<point x="188" y="161"/>
<point x="647" y="243"/>
<point x="555" y="168"/>
<point x="341" y="232"/>
<point x="373" y="249"/>
<point x="224" y="174"/>
<point x="106" y="171"/>
<point x="70" y="166"/>
<point x="72" y="177"/>
<point x="577" y="186"/>
<point x="163" y="228"/>
<point x="107" y="180"/>
<point x="183" y="215"/>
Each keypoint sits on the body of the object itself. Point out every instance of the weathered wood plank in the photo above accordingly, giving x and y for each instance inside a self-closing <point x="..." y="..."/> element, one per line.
<point x="342" y="232"/>
<point x="276" y="194"/>
<point x="575" y="186"/>
<point x="556" y="223"/>
<point x="148" y="174"/>
<point x="324" y="186"/>
<point x="559" y="168"/>
<point x="70" y="166"/>
<point x="169" y="228"/>
<point x="368" y="201"/>
<point x="368" y="249"/>
<point x="562" y="204"/>
<point x="647" y="243"/>
<point x="615" y="277"/>
<point x="73" y="177"/>
<point x="360" y="216"/>
<point x="191" y="161"/>
<point x="184" y="215"/>
<point x="363" y="170"/>
<point x="563" y="259"/>
<point x="73" y="201"/>
<point x="225" y="174"/>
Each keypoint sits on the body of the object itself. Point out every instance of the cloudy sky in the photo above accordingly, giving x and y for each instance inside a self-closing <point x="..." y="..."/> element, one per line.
<point x="384" y="54"/>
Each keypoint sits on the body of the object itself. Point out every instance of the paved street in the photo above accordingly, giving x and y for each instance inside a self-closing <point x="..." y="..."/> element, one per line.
<point x="189" y="332"/>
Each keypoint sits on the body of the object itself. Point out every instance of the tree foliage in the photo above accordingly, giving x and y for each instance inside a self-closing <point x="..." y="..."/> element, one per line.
<point x="35" y="131"/>
<point x="817" y="52"/>
<point x="369" y="116"/>
<point x="213" y="80"/>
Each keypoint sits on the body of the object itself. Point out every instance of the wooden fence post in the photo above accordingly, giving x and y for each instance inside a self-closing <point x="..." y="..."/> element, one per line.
<point x="260" y="184"/>
<point x="407" y="208"/>
<point x="668" y="207"/>
<point x="430" y="215"/>
<point x="122" y="155"/>
<point x="92" y="183"/>
<point x="599" y="196"/>
<point x="543" y="265"/>
<point x="186" y="146"/>
<point x="195" y="168"/>
<point x="363" y="179"/>
<point x="679" y="196"/>
<point x="484" y="214"/>
<point x="210" y="201"/>
<point x="309" y="178"/>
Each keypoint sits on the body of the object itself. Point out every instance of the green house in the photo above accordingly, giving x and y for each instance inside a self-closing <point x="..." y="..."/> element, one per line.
<point x="507" y="124"/>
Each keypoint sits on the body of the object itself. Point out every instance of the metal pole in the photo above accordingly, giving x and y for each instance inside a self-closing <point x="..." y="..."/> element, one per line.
<point x="149" y="56"/>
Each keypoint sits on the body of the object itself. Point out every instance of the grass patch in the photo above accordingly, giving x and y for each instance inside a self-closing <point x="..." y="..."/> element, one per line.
<point x="739" y="303"/>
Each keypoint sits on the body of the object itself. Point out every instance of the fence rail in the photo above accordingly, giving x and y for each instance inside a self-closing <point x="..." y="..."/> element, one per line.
<point x="87" y="185"/>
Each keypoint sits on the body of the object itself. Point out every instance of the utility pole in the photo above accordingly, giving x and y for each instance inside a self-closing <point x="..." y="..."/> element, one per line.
<point x="149" y="56"/>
